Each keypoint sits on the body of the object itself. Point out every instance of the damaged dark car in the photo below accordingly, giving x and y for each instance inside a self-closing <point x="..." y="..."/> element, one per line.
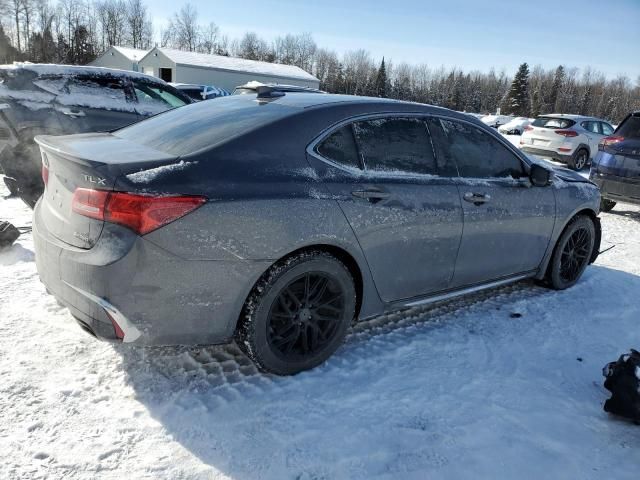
<point x="61" y="99"/>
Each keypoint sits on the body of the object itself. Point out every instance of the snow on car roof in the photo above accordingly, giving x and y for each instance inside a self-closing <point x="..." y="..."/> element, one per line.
<point x="132" y="54"/>
<point x="69" y="70"/>
<point x="235" y="64"/>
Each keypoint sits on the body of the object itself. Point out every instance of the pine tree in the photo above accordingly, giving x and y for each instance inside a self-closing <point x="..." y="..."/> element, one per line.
<point x="558" y="81"/>
<point x="381" y="81"/>
<point x="517" y="100"/>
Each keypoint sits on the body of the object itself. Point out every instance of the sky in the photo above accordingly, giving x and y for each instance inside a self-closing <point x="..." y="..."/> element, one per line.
<point x="469" y="34"/>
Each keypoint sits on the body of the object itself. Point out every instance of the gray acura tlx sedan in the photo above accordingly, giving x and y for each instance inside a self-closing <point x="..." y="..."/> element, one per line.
<point x="277" y="219"/>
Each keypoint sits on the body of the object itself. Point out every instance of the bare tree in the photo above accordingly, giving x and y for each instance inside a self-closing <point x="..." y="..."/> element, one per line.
<point x="137" y="23"/>
<point x="183" y="31"/>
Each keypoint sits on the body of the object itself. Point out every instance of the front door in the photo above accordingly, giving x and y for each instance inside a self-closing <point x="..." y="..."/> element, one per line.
<point x="406" y="217"/>
<point x="507" y="222"/>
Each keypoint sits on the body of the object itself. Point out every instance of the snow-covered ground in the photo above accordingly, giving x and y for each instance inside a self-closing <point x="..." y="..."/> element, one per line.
<point x="503" y="385"/>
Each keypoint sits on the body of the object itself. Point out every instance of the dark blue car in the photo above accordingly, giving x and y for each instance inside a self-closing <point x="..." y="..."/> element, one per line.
<point x="616" y="168"/>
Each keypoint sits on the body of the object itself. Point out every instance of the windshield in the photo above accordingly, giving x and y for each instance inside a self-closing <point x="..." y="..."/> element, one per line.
<point x="201" y="125"/>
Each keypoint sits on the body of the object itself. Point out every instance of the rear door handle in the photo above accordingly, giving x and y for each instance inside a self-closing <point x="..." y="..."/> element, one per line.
<point x="476" y="198"/>
<point x="372" y="195"/>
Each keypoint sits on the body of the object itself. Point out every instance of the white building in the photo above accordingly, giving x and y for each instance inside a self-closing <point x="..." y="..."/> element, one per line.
<point x="122" y="58"/>
<point x="223" y="72"/>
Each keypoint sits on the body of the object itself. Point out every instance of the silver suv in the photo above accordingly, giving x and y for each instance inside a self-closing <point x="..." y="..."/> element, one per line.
<point x="570" y="139"/>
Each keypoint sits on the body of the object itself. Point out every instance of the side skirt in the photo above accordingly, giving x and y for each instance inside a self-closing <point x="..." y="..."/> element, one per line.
<point x="448" y="295"/>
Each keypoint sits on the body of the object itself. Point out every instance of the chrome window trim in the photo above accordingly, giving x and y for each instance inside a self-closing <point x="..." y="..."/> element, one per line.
<point x="312" y="147"/>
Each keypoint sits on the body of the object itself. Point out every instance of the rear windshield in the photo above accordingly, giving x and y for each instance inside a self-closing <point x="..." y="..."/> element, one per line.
<point x="552" y="122"/>
<point x="630" y="128"/>
<point x="201" y="125"/>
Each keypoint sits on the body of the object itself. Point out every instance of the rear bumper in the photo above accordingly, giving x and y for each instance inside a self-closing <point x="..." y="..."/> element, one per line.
<point x="156" y="297"/>
<point x="552" y="154"/>
<point x="618" y="189"/>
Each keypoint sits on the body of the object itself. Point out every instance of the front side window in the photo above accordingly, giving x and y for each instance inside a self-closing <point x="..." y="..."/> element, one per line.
<point x="340" y="147"/>
<point x="396" y="145"/>
<point x="476" y="153"/>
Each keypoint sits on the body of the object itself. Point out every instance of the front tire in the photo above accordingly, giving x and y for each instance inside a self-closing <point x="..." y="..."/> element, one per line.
<point x="298" y="313"/>
<point x="572" y="253"/>
<point x="579" y="160"/>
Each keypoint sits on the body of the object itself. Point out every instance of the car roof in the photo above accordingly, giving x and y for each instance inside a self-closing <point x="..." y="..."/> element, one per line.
<point x="50" y="69"/>
<point x="304" y="101"/>
<point x="571" y="116"/>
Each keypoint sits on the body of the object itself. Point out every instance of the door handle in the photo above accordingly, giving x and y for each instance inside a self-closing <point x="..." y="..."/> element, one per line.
<point x="73" y="113"/>
<point x="372" y="195"/>
<point x="476" y="198"/>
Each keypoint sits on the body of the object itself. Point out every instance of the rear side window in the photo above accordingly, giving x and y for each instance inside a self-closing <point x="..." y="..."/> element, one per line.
<point x="606" y="128"/>
<point x="476" y="153"/>
<point x="630" y="128"/>
<point x="340" y="147"/>
<point x="396" y="145"/>
<point x="100" y="93"/>
<point x="201" y="125"/>
<point x="553" y="122"/>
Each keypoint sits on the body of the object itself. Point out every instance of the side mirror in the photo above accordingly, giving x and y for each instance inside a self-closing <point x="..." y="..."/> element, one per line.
<point x="540" y="176"/>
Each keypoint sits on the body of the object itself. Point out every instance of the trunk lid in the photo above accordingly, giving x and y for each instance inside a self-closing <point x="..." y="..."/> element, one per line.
<point x="91" y="161"/>
<point x="542" y="132"/>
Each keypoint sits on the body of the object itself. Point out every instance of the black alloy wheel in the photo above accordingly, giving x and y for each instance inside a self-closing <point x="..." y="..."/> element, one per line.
<point x="572" y="253"/>
<point x="575" y="254"/>
<point x="298" y="313"/>
<point x="306" y="315"/>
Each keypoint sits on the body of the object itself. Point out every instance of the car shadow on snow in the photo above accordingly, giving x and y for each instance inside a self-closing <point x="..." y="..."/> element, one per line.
<point x="387" y="403"/>
<point x="631" y="214"/>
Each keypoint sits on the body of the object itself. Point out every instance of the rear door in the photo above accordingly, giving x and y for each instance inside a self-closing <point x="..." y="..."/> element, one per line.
<point x="95" y="104"/>
<point x="404" y="209"/>
<point x="507" y="221"/>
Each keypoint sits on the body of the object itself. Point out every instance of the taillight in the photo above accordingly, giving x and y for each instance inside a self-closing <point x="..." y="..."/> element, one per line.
<point x="567" y="133"/>
<point x="141" y="213"/>
<point x="45" y="174"/>
<point x="528" y="128"/>
<point x="613" y="139"/>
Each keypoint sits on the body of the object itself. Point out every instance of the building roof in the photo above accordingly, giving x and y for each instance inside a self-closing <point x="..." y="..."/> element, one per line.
<point x="133" y="54"/>
<point x="235" y="64"/>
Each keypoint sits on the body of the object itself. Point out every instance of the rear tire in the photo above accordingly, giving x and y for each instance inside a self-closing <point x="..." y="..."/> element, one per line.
<point x="572" y="253"/>
<point x="606" y="205"/>
<point x="298" y="313"/>
<point x="579" y="160"/>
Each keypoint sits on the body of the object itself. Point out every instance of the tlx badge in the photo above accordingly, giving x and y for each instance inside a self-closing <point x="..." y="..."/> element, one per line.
<point x="96" y="180"/>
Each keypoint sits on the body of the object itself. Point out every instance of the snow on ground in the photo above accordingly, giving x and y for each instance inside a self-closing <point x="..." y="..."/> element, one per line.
<point x="506" y="384"/>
